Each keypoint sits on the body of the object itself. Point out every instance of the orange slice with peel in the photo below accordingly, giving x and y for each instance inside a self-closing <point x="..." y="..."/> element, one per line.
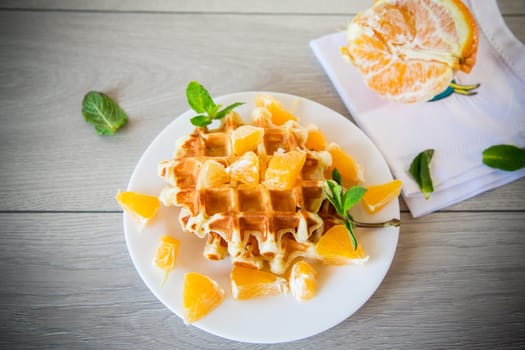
<point x="303" y="281"/>
<point x="409" y="50"/>
<point x="377" y="196"/>
<point x="248" y="283"/>
<point x="335" y="248"/>
<point x="140" y="207"/>
<point x="200" y="296"/>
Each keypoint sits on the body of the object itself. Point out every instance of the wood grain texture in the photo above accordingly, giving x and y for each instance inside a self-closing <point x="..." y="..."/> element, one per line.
<point x="68" y="282"/>
<point x="49" y="60"/>
<point x="313" y="7"/>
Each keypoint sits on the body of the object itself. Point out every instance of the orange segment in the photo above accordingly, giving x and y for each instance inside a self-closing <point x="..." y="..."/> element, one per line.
<point x="201" y="295"/>
<point x="248" y="283"/>
<point x="246" y="169"/>
<point x="303" y="281"/>
<point x="166" y="255"/>
<point x="212" y="174"/>
<point x="377" y="196"/>
<point x="351" y="171"/>
<point x="315" y="140"/>
<point x="246" y="138"/>
<point x="279" y="114"/>
<point x="139" y="206"/>
<point x="335" y="247"/>
<point x="409" y="50"/>
<point x="284" y="169"/>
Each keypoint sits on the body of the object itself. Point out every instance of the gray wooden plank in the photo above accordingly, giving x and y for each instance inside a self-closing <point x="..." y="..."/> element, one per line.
<point x="67" y="282"/>
<point x="53" y="160"/>
<point x="221" y="6"/>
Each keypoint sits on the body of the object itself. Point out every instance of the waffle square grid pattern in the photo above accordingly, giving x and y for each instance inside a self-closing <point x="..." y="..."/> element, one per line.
<point x="256" y="224"/>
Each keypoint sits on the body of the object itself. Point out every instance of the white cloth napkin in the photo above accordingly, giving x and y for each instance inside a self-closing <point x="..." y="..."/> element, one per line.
<point x="458" y="127"/>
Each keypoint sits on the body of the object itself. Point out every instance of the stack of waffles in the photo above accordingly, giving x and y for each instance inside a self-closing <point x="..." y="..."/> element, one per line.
<point x="259" y="225"/>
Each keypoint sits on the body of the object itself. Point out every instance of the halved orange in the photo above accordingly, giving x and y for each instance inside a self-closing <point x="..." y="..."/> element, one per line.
<point x="201" y="295"/>
<point x="335" y="248"/>
<point x="212" y="173"/>
<point x="166" y="255"/>
<point x="351" y="171"/>
<point x="141" y="207"/>
<point x="248" y="283"/>
<point x="246" y="138"/>
<point x="284" y="169"/>
<point x="279" y="114"/>
<point x="409" y="50"/>
<point x="303" y="281"/>
<point x="377" y="196"/>
<point x="245" y="169"/>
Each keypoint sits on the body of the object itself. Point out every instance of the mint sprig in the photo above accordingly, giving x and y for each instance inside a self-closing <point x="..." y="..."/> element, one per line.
<point x="343" y="200"/>
<point x="201" y="102"/>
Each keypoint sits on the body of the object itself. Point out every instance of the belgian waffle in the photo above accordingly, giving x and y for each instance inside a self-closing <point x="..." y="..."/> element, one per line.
<point x="257" y="226"/>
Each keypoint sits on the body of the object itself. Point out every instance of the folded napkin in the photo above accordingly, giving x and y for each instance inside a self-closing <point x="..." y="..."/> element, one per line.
<point x="458" y="127"/>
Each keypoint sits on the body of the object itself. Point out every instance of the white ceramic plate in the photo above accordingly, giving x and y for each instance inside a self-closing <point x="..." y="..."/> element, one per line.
<point x="342" y="289"/>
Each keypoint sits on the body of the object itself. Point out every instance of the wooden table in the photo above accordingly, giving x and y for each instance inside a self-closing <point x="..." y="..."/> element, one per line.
<point x="457" y="280"/>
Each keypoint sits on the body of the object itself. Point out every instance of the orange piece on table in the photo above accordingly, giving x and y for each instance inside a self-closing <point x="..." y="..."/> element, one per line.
<point x="409" y="50"/>
<point x="284" y="169"/>
<point x="350" y="170"/>
<point x="248" y="283"/>
<point x="201" y="295"/>
<point x="140" y="207"/>
<point x="335" y="247"/>
<point x="303" y="281"/>
<point x="377" y="196"/>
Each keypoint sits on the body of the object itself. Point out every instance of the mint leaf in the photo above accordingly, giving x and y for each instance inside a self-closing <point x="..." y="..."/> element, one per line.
<point x="337" y="196"/>
<point x="223" y="113"/>
<point x="420" y="171"/>
<point x="336" y="175"/>
<point x="352" y="197"/>
<point x="198" y="98"/>
<point x="504" y="157"/>
<point x="103" y="113"/>
<point x="200" y="121"/>
<point x="350" y="228"/>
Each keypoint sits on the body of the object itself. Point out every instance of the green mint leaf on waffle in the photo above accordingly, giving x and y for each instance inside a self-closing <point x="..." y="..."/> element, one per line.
<point x="420" y="171"/>
<point x="201" y="102"/>
<point x="103" y="113"/>
<point x="343" y="200"/>
<point x="504" y="157"/>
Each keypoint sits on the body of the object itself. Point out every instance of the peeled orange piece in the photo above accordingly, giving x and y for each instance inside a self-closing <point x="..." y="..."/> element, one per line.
<point x="246" y="138"/>
<point x="377" y="196"/>
<point x="284" y="169"/>
<point x="409" y="50"/>
<point x="139" y="206"/>
<point x="248" y="283"/>
<point x="335" y="248"/>
<point x="316" y="140"/>
<point x="351" y="171"/>
<point x="201" y="295"/>
<point x="279" y="114"/>
<point x="212" y="174"/>
<point x="303" y="281"/>
<point x="166" y="255"/>
<point x="246" y="169"/>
